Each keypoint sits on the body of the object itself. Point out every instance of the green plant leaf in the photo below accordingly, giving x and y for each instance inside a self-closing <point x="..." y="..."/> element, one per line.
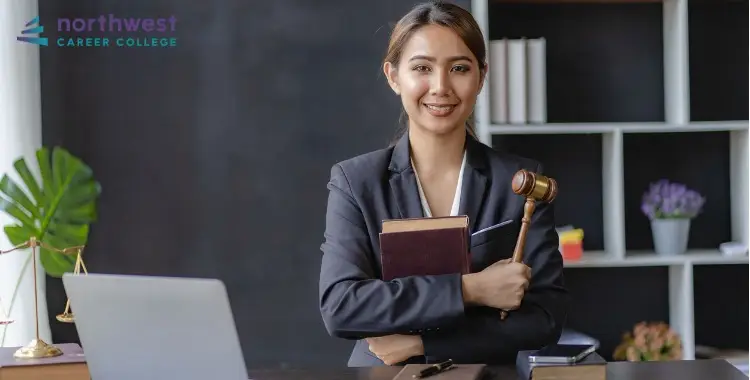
<point x="57" y="211"/>
<point x="8" y="186"/>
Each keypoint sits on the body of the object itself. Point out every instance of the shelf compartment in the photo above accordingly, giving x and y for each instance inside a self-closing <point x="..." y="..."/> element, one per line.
<point x="593" y="52"/>
<point x="603" y="304"/>
<point x="718" y="59"/>
<point x="698" y="160"/>
<point x="718" y="290"/>
<point x="575" y="162"/>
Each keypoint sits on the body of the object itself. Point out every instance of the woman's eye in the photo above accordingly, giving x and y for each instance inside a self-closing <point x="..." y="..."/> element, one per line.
<point x="461" y="68"/>
<point x="421" y="68"/>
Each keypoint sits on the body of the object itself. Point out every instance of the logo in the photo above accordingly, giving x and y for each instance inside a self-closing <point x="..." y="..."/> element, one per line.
<point x="105" y="31"/>
<point x="35" y="30"/>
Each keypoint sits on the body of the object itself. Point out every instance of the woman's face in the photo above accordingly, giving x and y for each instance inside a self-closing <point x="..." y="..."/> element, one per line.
<point x="438" y="79"/>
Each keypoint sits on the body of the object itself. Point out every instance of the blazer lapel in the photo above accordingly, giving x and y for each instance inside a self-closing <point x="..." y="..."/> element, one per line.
<point x="406" y="194"/>
<point x="403" y="181"/>
<point x="475" y="182"/>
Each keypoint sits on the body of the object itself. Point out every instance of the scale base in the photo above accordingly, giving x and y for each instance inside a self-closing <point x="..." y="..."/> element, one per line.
<point x="37" y="349"/>
<point x="66" y="318"/>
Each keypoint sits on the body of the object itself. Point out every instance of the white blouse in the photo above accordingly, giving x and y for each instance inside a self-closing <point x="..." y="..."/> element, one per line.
<point x="456" y="197"/>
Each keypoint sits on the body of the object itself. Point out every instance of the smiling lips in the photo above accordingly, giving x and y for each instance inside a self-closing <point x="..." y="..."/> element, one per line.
<point x="440" y="110"/>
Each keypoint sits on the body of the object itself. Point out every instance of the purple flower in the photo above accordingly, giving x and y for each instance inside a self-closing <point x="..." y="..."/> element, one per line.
<point x="666" y="200"/>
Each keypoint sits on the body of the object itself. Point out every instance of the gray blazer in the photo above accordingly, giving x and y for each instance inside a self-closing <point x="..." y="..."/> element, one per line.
<point x="355" y="303"/>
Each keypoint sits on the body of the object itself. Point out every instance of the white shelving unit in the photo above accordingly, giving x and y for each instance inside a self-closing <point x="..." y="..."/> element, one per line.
<point x="677" y="114"/>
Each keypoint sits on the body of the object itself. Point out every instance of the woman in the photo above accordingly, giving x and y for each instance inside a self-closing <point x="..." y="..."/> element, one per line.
<point x="436" y="64"/>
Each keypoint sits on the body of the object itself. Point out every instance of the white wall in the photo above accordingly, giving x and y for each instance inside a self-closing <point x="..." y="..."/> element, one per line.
<point x="20" y="135"/>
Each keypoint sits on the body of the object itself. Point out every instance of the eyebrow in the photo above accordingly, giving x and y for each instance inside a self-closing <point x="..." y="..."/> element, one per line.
<point x="450" y="59"/>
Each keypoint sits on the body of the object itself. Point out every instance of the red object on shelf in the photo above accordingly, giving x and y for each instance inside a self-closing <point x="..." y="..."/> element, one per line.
<point x="572" y="251"/>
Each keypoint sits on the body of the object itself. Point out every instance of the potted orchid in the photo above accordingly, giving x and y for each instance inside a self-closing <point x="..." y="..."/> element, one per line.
<point x="649" y="342"/>
<point x="670" y="207"/>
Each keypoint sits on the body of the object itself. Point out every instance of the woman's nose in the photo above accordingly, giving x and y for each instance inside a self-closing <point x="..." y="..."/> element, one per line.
<point x="441" y="85"/>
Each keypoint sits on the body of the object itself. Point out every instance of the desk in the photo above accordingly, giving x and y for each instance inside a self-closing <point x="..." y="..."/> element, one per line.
<point x="684" y="370"/>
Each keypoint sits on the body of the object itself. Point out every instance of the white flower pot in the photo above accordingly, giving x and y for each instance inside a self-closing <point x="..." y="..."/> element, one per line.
<point x="670" y="235"/>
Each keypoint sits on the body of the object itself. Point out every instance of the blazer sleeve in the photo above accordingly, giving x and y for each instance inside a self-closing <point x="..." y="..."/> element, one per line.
<point x="482" y="337"/>
<point x="354" y="303"/>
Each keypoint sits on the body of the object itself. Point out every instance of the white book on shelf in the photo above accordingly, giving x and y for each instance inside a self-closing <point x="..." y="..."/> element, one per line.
<point x="498" y="78"/>
<point x="517" y="81"/>
<point x="537" y="80"/>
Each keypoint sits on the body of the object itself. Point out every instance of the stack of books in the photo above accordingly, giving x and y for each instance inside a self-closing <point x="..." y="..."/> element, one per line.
<point x="518" y="81"/>
<point x="591" y="367"/>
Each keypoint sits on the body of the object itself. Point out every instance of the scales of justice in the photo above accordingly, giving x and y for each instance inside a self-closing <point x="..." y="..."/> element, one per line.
<point x="38" y="348"/>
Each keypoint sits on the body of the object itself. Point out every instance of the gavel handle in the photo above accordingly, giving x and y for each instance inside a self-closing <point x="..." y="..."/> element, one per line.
<point x="528" y="210"/>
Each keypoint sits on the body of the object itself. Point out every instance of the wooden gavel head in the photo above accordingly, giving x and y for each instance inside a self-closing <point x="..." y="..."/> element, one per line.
<point x="534" y="186"/>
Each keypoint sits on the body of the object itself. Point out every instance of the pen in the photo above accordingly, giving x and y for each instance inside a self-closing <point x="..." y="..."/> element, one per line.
<point x="492" y="227"/>
<point x="434" y="369"/>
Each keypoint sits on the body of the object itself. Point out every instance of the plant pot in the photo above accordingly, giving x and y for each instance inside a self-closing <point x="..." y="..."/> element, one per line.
<point x="670" y="235"/>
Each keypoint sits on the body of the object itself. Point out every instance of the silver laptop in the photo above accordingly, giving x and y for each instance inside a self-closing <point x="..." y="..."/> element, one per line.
<point x="147" y="327"/>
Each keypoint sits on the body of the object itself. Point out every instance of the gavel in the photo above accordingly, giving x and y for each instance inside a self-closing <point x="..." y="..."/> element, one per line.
<point x="536" y="188"/>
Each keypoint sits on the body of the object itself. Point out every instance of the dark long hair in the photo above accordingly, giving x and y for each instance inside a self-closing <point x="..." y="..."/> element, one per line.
<point x="435" y="13"/>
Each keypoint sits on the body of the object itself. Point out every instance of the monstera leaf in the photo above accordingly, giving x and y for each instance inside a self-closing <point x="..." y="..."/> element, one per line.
<point x="57" y="211"/>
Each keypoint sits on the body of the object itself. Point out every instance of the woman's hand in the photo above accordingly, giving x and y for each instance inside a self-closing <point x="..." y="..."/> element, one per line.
<point x="394" y="349"/>
<point x="500" y="285"/>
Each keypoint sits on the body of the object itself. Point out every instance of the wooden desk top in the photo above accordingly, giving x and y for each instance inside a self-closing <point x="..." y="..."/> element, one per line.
<point x="683" y="370"/>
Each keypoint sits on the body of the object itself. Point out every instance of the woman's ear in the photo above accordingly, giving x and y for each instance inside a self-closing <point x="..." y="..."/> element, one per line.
<point x="392" y="74"/>
<point x="483" y="75"/>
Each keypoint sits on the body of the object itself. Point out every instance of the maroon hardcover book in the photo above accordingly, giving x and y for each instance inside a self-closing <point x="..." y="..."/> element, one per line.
<point x="424" y="246"/>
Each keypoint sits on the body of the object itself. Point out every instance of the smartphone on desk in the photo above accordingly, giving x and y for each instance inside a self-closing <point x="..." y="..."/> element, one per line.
<point x="561" y="353"/>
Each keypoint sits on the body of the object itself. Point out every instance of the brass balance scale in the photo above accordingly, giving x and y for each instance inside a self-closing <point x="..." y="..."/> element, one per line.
<point x="37" y="348"/>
